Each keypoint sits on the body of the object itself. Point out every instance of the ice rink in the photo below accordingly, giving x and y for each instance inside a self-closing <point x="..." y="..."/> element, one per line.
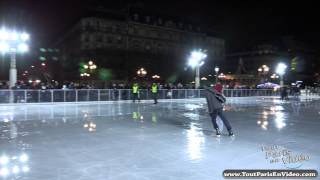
<point x="168" y="141"/>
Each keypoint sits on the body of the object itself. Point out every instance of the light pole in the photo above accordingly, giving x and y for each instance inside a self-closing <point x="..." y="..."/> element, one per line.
<point x="281" y="69"/>
<point x="91" y="66"/>
<point x="216" y="69"/>
<point x="196" y="61"/>
<point x="142" y="72"/>
<point x="263" y="70"/>
<point x="274" y="76"/>
<point x="12" y="42"/>
<point x="156" y="77"/>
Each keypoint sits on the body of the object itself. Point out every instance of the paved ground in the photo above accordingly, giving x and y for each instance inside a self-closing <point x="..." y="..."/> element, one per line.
<point x="171" y="140"/>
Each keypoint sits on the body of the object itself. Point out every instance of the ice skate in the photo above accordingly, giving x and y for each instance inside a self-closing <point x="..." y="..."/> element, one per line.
<point x="231" y="134"/>
<point x="218" y="133"/>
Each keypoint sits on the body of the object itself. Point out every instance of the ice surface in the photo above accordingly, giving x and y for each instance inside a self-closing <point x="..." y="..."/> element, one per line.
<point x="171" y="140"/>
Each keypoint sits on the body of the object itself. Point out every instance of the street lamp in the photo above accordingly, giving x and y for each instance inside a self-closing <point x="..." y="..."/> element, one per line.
<point x="274" y="76"/>
<point x="13" y="42"/>
<point x="141" y="72"/>
<point x="216" y="69"/>
<point x="90" y="66"/>
<point x="281" y="70"/>
<point x="196" y="61"/>
<point x="85" y="75"/>
<point x="222" y="76"/>
<point x="263" y="70"/>
<point x="155" y="77"/>
<point x="204" y="79"/>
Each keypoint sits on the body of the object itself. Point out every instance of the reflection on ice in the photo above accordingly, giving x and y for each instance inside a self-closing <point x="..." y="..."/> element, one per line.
<point x="280" y="120"/>
<point x="180" y="131"/>
<point x="154" y="118"/>
<point x="195" y="141"/>
<point x="192" y="116"/>
<point x="192" y="107"/>
<point x="12" y="166"/>
<point x="276" y="113"/>
<point x="90" y="126"/>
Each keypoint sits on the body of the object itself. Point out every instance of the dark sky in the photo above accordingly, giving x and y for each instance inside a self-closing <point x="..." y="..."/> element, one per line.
<point x="239" y="23"/>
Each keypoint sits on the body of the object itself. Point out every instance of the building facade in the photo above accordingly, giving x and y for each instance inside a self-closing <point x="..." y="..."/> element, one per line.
<point x="124" y="45"/>
<point x="302" y="62"/>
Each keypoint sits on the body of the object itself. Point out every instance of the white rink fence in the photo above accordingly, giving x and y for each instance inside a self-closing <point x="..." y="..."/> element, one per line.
<point x="83" y="95"/>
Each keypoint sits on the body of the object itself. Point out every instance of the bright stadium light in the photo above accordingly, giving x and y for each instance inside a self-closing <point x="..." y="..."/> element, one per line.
<point x="23" y="47"/>
<point x="24" y="36"/>
<point x="281" y="70"/>
<point x="3" y="34"/>
<point x="13" y="42"/>
<point x="14" y="36"/>
<point x="195" y="60"/>
<point x="4" y="47"/>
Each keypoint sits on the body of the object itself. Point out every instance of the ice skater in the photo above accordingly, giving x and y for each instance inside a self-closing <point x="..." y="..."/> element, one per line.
<point x="215" y="102"/>
<point x="284" y="93"/>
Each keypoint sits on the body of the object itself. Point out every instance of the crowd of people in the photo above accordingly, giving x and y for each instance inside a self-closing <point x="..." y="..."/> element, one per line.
<point x="85" y="85"/>
<point x="43" y="86"/>
<point x="120" y="85"/>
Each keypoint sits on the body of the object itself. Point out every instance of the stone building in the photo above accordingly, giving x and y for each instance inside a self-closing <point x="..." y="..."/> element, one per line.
<point x="124" y="44"/>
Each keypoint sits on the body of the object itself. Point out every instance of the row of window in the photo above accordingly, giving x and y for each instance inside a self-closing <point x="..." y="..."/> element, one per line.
<point x="118" y="39"/>
<point x="142" y="30"/>
<point x="103" y="23"/>
<point x="139" y="45"/>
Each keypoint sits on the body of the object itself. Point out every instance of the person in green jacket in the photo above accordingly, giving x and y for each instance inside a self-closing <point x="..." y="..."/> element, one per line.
<point x="154" y="91"/>
<point x="135" y="92"/>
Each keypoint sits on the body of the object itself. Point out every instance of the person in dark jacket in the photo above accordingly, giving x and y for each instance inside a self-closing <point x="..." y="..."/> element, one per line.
<point x="215" y="108"/>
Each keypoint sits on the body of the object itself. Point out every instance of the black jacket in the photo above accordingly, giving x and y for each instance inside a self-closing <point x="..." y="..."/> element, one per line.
<point x="212" y="101"/>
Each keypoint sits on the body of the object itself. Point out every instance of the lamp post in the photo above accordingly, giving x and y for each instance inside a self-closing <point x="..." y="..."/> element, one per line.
<point x="12" y="42"/>
<point x="91" y="66"/>
<point x="196" y="61"/>
<point x="274" y="76"/>
<point x="155" y="77"/>
<point x="263" y="70"/>
<point x="216" y="70"/>
<point x="281" y="69"/>
<point x="141" y="72"/>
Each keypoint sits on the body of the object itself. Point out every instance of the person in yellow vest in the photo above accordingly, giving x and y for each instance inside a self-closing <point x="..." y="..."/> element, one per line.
<point x="135" y="92"/>
<point x="154" y="91"/>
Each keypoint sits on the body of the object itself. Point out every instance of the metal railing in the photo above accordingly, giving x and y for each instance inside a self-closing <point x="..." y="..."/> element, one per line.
<point x="82" y="95"/>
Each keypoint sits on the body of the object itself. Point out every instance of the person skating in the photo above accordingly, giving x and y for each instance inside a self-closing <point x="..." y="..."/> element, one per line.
<point x="215" y="102"/>
<point x="154" y="91"/>
<point x="135" y="92"/>
<point x="218" y="87"/>
<point x="284" y="93"/>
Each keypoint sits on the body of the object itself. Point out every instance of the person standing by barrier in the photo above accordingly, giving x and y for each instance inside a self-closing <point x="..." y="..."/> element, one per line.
<point x="218" y="87"/>
<point x="135" y="92"/>
<point x="215" y="102"/>
<point x="154" y="91"/>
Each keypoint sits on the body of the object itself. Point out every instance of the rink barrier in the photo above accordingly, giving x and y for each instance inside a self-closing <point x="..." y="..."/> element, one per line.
<point x="85" y="95"/>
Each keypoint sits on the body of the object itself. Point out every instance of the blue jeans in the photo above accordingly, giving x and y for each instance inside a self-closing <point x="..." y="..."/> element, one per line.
<point x="220" y="113"/>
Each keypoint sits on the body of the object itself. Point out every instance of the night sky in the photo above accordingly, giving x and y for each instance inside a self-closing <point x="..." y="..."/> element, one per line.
<point x="241" y="24"/>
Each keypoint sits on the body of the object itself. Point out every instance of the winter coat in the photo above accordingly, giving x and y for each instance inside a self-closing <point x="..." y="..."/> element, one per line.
<point x="212" y="101"/>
